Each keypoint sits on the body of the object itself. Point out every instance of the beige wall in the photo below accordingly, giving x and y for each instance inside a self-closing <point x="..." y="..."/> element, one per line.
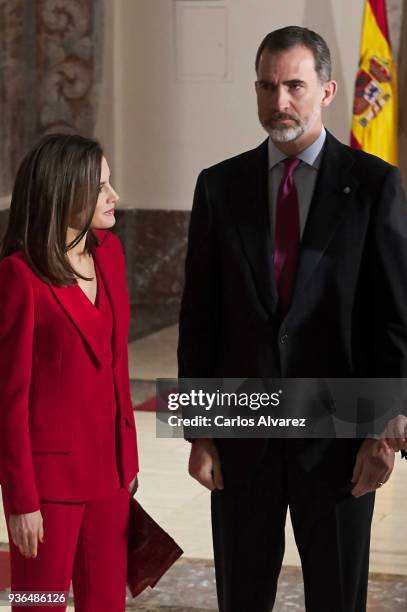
<point x="159" y="131"/>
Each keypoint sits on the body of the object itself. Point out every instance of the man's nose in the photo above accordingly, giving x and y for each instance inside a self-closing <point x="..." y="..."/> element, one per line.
<point x="281" y="99"/>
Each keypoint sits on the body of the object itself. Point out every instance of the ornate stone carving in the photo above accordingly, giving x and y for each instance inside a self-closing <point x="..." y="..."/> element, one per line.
<point x="50" y="67"/>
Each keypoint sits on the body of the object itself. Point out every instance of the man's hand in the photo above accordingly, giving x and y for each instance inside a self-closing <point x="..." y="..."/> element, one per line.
<point x="395" y="433"/>
<point x="204" y="464"/>
<point x="373" y="467"/>
<point x="133" y="486"/>
<point x="26" y="531"/>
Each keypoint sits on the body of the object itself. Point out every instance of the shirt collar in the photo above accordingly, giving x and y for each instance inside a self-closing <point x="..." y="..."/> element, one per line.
<point x="310" y="155"/>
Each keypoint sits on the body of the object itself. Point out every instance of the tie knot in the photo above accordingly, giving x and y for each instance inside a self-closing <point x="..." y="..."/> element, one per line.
<point x="291" y="163"/>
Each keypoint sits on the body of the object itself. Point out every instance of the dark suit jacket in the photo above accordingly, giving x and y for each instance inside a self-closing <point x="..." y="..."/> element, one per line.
<point x="348" y="317"/>
<point x="56" y="385"/>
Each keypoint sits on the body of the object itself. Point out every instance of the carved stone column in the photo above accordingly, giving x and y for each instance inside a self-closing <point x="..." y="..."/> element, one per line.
<point x="50" y="68"/>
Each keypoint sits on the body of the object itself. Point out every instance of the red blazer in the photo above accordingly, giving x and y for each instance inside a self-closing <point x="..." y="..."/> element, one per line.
<point x="53" y="373"/>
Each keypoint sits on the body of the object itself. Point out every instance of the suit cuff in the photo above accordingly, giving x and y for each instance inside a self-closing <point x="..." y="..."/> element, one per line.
<point x="18" y="501"/>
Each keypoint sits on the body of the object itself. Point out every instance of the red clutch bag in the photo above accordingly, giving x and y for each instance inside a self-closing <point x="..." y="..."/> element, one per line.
<point x="151" y="551"/>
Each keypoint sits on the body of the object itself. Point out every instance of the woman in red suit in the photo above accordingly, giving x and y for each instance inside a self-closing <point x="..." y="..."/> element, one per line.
<point x="68" y="451"/>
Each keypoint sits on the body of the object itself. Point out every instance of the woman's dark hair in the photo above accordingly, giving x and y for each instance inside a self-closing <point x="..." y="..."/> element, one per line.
<point x="56" y="187"/>
<point x="291" y="36"/>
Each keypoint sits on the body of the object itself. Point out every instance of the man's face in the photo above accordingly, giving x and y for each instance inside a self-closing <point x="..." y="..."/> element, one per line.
<point x="290" y="95"/>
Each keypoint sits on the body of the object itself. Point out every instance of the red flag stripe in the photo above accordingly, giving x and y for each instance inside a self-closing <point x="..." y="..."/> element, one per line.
<point x="379" y="11"/>
<point x="354" y="143"/>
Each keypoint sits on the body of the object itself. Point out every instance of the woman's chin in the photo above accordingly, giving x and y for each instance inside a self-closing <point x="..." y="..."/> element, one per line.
<point x="105" y="222"/>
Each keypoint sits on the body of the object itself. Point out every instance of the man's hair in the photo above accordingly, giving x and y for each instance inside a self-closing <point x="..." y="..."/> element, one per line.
<point x="292" y="36"/>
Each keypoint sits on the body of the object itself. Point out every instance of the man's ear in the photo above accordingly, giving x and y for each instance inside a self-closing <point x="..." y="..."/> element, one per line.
<point x="329" y="92"/>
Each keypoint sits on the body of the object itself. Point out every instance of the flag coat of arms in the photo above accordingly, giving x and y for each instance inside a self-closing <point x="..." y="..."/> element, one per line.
<point x="374" y="123"/>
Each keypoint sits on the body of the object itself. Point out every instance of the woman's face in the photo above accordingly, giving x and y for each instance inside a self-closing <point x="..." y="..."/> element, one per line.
<point x="103" y="217"/>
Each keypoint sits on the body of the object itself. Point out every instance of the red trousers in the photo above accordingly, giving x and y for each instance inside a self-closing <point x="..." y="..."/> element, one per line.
<point x="84" y="542"/>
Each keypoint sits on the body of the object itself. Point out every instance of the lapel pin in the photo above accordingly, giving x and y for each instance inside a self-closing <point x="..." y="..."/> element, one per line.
<point x="346" y="190"/>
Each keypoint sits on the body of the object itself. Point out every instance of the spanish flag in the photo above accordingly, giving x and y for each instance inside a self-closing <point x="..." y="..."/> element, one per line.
<point x="374" y="123"/>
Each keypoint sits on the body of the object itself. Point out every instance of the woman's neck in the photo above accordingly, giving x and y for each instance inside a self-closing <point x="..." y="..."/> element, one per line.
<point x="78" y="251"/>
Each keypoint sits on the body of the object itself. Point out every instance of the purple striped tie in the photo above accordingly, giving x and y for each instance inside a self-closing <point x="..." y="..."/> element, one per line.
<point x="287" y="235"/>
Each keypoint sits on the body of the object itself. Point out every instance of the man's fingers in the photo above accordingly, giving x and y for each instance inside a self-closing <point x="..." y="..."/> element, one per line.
<point x="370" y="481"/>
<point x="394" y="443"/>
<point x="204" y="476"/>
<point x="358" y="491"/>
<point x="204" y="465"/>
<point x="396" y="429"/>
<point x="393" y="429"/>
<point x="363" y="486"/>
<point x="209" y="478"/>
<point x="217" y="476"/>
<point x="357" y="470"/>
<point x="360" y="484"/>
<point x="376" y="459"/>
<point x="202" y="472"/>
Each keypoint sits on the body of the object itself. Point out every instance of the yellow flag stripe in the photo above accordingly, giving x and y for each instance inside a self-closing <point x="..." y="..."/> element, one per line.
<point x="374" y="124"/>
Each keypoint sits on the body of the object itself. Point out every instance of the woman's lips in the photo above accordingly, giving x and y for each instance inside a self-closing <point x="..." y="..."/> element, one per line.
<point x="110" y="212"/>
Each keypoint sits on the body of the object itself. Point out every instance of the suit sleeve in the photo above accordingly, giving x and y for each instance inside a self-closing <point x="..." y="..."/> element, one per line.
<point x="390" y="285"/>
<point x="16" y="347"/>
<point x="390" y="279"/>
<point x="200" y="307"/>
<point x="131" y="452"/>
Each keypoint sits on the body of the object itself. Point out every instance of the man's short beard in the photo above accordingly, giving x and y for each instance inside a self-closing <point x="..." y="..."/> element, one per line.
<point x="286" y="134"/>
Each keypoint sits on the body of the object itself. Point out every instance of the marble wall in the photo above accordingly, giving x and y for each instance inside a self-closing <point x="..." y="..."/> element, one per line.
<point x="155" y="244"/>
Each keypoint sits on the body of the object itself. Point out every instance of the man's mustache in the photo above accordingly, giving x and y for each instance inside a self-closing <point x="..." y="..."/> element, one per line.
<point x="285" y="116"/>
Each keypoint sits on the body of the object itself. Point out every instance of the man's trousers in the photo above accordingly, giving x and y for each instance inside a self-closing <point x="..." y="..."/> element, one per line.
<point x="331" y="528"/>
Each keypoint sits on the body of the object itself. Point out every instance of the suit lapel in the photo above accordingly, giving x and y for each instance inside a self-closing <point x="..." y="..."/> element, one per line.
<point x="251" y="212"/>
<point x="86" y="321"/>
<point x="116" y="291"/>
<point x="332" y="197"/>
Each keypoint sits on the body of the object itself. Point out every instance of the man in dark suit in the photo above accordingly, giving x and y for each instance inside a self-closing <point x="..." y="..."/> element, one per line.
<point x="296" y="267"/>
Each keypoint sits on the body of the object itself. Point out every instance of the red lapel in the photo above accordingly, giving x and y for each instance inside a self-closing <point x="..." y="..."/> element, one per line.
<point x="114" y="280"/>
<point x="86" y="322"/>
